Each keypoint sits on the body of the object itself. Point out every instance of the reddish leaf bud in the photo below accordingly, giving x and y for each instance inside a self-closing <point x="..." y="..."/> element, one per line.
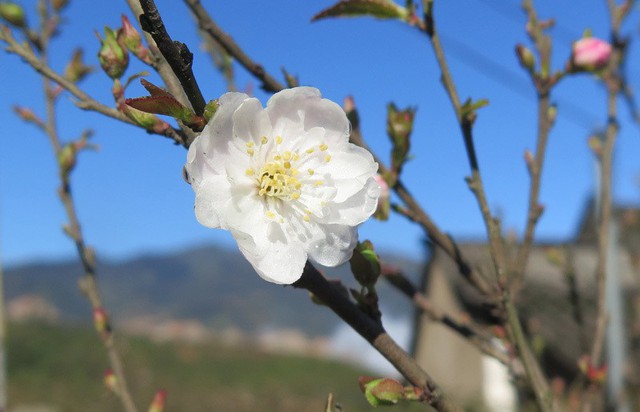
<point x="76" y="70"/>
<point x="130" y="38"/>
<point x="59" y="4"/>
<point x="159" y="400"/>
<point x="111" y="380"/>
<point x="101" y="322"/>
<point x="399" y="128"/>
<point x="28" y="115"/>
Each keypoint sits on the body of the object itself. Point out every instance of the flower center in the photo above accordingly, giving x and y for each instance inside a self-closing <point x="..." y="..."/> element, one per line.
<point x="277" y="179"/>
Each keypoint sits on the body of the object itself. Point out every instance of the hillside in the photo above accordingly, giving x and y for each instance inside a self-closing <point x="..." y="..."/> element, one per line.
<point x="212" y="285"/>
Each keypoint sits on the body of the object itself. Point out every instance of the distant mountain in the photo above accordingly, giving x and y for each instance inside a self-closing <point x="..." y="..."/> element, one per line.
<point x="213" y="285"/>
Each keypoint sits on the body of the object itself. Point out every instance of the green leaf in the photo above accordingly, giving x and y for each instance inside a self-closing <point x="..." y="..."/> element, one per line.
<point x="381" y="9"/>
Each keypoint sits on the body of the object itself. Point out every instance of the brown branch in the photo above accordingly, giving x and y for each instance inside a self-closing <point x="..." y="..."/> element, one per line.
<point x="177" y="54"/>
<point x="605" y="157"/>
<point x="535" y="376"/>
<point x="418" y="215"/>
<point x="468" y="331"/>
<point x="84" y="101"/>
<point x="209" y="26"/>
<point x="158" y="61"/>
<point x="543" y="84"/>
<point x="86" y="256"/>
<point x="374" y="333"/>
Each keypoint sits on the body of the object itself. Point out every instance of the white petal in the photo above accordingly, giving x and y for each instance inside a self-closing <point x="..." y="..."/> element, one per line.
<point x="332" y="245"/>
<point x="251" y="122"/>
<point x="304" y="105"/>
<point x="201" y="159"/>
<point x="348" y="170"/>
<point x="221" y="204"/>
<point x="274" y="258"/>
<point x="357" y="208"/>
<point x="209" y="195"/>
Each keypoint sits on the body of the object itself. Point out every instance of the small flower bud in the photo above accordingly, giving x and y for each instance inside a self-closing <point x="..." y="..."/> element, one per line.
<point x="130" y="38"/>
<point x="210" y="109"/>
<point x="590" y="54"/>
<point x="526" y="57"/>
<point x="594" y="374"/>
<point x="552" y="113"/>
<point x="28" y="115"/>
<point x="76" y="70"/>
<point x="595" y="144"/>
<point x="113" y="58"/>
<point x="159" y="400"/>
<point x="101" y="322"/>
<point x="384" y="391"/>
<point x="67" y="157"/>
<point x="399" y="128"/>
<point x="13" y="14"/>
<point x="365" y="264"/>
<point x="59" y="4"/>
<point x="111" y="380"/>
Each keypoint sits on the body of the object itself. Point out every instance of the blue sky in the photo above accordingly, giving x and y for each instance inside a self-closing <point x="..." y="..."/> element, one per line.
<point x="131" y="197"/>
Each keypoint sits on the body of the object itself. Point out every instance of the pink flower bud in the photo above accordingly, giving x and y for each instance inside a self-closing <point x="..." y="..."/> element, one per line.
<point x="159" y="400"/>
<point x="590" y="53"/>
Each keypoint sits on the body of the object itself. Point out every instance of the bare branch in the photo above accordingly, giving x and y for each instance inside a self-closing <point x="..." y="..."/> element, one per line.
<point x="177" y="54"/>
<point x="207" y="25"/>
<point x="374" y="333"/>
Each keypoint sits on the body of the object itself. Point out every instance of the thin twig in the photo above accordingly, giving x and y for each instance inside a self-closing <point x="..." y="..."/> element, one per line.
<point x="484" y="342"/>
<point x="543" y="86"/>
<point x="176" y="54"/>
<point x="84" y="101"/>
<point x="417" y="214"/>
<point x="88" y="283"/>
<point x="209" y="26"/>
<point x="614" y="87"/>
<point x="536" y="378"/>
<point x="375" y="334"/>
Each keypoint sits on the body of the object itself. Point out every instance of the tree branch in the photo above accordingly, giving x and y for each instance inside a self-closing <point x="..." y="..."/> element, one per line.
<point x="177" y="54"/>
<point x="375" y="334"/>
<point x="84" y="101"/>
<point x="536" y="379"/>
<point x="209" y="26"/>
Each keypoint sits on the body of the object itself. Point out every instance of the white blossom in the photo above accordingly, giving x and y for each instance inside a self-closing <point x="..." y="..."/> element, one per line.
<point x="284" y="180"/>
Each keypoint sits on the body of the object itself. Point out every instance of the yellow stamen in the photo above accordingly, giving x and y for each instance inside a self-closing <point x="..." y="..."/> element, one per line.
<point x="323" y="147"/>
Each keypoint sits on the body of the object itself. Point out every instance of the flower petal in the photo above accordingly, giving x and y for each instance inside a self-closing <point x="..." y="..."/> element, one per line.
<point x="357" y="208"/>
<point x="332" y="245"/>
<point x="305" y="105"/>
<point x="274" y="258"/>
<point x="222" y="204"/>
<point x="214" y="137"/>
<point x="348" y="170"/>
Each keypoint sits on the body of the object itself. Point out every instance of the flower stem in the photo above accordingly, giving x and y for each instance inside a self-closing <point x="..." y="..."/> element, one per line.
<point x="313" y="281"/>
